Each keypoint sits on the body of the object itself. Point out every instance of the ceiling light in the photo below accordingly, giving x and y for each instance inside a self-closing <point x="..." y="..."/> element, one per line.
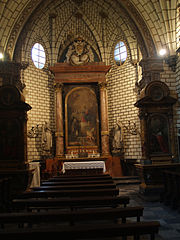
<point x="1" y="56"/>
<point x="162" y="52"/>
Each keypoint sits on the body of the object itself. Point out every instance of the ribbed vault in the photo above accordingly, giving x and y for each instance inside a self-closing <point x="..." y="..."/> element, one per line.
<point x="115" y="18"/>
<point x="150" y="24"/>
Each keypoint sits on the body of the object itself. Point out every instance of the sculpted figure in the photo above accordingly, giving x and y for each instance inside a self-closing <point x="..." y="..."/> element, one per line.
<point x="117" y="143"/>
<point x="46" y="139"/>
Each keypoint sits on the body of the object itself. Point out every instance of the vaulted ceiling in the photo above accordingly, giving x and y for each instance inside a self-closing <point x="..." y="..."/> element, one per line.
<point x="152" y="22"/>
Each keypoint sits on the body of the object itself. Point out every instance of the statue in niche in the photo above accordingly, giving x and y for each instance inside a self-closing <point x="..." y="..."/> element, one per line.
<point x="79" y="53"/>
<point x="117" y="143"/>
<point x="46" y="139"/>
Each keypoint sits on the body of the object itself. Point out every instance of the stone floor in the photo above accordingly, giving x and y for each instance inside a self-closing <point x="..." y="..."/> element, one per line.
<point x="168" y="218"/>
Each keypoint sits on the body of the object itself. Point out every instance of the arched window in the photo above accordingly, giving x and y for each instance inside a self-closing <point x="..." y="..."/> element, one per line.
<point x="38" y="55"/>
<point x="120" y="53"/>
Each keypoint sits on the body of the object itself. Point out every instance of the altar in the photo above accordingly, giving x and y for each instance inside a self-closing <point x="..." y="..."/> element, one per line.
<point x="85" y="167"/>
<point x="81" y="111"/>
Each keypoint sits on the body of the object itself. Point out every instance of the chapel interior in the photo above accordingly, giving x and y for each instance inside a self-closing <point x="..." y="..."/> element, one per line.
<point x="90" y="89"/>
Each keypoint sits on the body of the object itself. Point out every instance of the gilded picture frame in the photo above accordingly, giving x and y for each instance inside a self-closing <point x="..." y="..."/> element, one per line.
<point x="81" y="118"/>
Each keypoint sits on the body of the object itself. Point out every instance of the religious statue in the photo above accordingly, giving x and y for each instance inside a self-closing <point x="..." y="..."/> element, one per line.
<point x="46" y="139"/>
<point x="117" y="143"/>
<point x="79" y="53"/>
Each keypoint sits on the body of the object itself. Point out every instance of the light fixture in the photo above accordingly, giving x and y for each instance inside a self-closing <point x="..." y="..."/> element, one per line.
<point x="162" y="52"/>
<point x="1" y="56"/>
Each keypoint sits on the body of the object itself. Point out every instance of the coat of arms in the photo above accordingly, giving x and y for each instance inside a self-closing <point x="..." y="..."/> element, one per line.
<point x="79" y="53"/>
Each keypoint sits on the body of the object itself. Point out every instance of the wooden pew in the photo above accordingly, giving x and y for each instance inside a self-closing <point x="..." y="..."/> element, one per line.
<point x="76" y="187"/>
<point x="171" y="194"/>
<point x="1" y="194"/>
<point x="70" y="203"/>
<point x="5" y="195"/>
<point x="135" y="229"/>
<point x="69" y="193"/>
<point x="71" y="217"/>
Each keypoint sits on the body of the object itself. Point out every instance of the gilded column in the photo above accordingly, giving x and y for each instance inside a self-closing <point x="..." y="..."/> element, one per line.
<point x="104" y="119"/>
<point x="59" y="121"/>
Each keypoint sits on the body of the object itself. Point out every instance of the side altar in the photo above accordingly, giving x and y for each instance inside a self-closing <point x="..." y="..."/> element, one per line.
<point x="158" y="139"/>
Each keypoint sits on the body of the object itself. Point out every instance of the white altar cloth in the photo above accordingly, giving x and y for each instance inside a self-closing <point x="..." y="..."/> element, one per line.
<point x="84" y="165"/>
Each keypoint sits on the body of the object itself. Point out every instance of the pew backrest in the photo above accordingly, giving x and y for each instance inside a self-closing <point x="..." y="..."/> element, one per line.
<point x="69" y="193"/>
<point x="86" y="231"/>
<point x="77" y="202"/>
<point x="71" y="217"/>
<point x="76" y="187"/>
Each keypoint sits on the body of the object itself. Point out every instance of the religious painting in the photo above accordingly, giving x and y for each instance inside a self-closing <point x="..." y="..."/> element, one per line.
<point x="158" y="134"/>
<point x="82" y="121"/>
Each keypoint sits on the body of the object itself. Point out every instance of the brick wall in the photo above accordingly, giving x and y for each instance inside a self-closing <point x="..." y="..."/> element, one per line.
<point x="121" y="99"/>
<point x="40" y="95"/>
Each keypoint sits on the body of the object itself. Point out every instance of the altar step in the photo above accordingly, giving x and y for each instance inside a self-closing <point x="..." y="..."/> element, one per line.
<point x="127" y="180"/>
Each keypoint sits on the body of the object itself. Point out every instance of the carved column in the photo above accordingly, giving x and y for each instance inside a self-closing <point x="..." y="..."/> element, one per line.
<point x="59" y="121"/>
<point x="151" y="69"/>
<point x="104" y="119"/>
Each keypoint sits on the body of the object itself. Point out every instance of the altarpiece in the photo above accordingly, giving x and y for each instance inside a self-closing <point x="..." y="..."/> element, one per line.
<point x="81" y="104"/>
